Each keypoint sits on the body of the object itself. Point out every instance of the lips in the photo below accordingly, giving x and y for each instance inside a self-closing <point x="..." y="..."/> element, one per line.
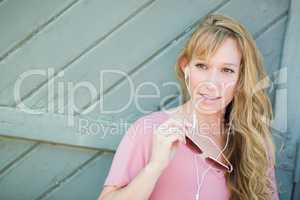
<point x="205" y="96"/>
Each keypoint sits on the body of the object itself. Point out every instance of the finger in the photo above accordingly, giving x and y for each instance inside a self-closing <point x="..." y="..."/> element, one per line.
<point x="180" y="134"/>
<point x="167" y="127"/>
<point x="185" y="129"/>
<point x="173" y="138"/>
<point x="174" y="129"/>
<point x="185" y="125"/>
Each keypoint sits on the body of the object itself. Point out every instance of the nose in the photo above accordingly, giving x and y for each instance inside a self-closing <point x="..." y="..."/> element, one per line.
<point x="212" y="80"/>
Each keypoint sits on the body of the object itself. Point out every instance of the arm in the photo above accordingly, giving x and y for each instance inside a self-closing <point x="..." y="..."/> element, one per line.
<point x="140" y="159"/>
<point x="139" y="188"/>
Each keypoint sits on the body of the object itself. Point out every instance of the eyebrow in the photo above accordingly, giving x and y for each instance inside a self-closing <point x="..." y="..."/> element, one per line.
<point x="231" y="64"/>
<point x="226" y="63"/>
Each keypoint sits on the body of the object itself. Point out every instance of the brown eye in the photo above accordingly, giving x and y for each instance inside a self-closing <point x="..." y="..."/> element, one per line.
<point x="228" y="70"/>
<point x="201" y="66"/>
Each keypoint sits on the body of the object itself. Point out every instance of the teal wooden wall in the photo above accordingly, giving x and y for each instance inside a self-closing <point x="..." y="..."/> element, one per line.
<point x="42" y="156"/>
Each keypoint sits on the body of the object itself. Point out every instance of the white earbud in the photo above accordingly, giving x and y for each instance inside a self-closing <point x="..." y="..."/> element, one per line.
<point x="186" y="72"/>
<point x="186" y="77"/>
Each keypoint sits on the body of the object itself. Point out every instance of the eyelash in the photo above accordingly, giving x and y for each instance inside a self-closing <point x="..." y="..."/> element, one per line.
<point x="198" y="65"/>
<point x="226" y="69"/>
<point x="230" y="70"/>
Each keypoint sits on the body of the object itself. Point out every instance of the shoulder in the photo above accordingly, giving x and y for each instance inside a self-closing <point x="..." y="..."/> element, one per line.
<point x="138" y="138"/>
<point x="156" y="117"/>
<point x="146" y="124"/>
<point x="140" y="132"/>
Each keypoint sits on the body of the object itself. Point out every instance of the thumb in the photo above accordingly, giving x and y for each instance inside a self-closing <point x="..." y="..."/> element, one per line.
<point x="173" y="150"/>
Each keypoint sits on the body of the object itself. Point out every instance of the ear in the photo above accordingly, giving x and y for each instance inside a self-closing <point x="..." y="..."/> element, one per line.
<point x="183" y="62"/>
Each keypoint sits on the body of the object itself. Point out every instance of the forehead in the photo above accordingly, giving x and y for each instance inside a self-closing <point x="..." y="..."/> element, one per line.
<point x="227" y="53"/>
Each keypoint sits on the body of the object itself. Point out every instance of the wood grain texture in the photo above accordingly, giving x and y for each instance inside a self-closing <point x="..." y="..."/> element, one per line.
<point x="43" y="156"/>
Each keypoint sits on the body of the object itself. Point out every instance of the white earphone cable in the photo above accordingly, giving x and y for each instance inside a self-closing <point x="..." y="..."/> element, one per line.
<point x="203" y="175"/>
<point x="199" y="185"/>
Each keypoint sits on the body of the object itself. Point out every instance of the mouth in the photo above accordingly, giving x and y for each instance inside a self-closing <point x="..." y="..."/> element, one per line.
<point x="211" y="98"/>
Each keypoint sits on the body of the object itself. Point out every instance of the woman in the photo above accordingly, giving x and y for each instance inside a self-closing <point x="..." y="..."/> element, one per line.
<point x="229" y="154"/>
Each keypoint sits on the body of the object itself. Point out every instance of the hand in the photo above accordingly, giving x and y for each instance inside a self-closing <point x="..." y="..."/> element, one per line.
<point x="166" y="140"/>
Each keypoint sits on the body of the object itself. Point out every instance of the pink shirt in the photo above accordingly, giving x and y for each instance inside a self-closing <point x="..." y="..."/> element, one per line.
<point x="178" y="180"/>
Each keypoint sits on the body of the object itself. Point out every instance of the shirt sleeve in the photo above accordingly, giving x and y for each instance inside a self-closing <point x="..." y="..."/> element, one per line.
<point x="130" y="156"/>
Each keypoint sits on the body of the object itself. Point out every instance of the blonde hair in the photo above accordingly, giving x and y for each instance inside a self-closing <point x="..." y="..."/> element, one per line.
<point x="251" y="149"/>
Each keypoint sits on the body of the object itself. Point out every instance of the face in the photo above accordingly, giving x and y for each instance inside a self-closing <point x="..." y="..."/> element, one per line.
<point x="213" y="81"/>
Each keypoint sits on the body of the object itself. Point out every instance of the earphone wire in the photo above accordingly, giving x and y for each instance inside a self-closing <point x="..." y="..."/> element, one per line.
<point x="199" y="185"/>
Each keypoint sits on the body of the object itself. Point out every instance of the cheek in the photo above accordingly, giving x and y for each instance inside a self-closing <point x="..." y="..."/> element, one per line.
<point x="196" y="77"/>
<point x="198" y="80"/>
<point x="228" y="89"/>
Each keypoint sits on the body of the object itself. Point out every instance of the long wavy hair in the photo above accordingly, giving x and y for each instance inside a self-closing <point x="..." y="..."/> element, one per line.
<point x="251" y="149"/>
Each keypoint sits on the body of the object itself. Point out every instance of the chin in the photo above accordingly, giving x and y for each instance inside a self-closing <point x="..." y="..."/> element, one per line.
<point x="209" y="109"/>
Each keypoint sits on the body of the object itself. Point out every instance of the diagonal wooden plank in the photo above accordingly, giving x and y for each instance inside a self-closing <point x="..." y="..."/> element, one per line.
<point x="91" y="176"/>
<point x="20" y="29"/>
<point x="54" y="48"/>
<point x="2" y="2"/>
<point x="43" y="169"/>
<point x="11" y="151"/>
